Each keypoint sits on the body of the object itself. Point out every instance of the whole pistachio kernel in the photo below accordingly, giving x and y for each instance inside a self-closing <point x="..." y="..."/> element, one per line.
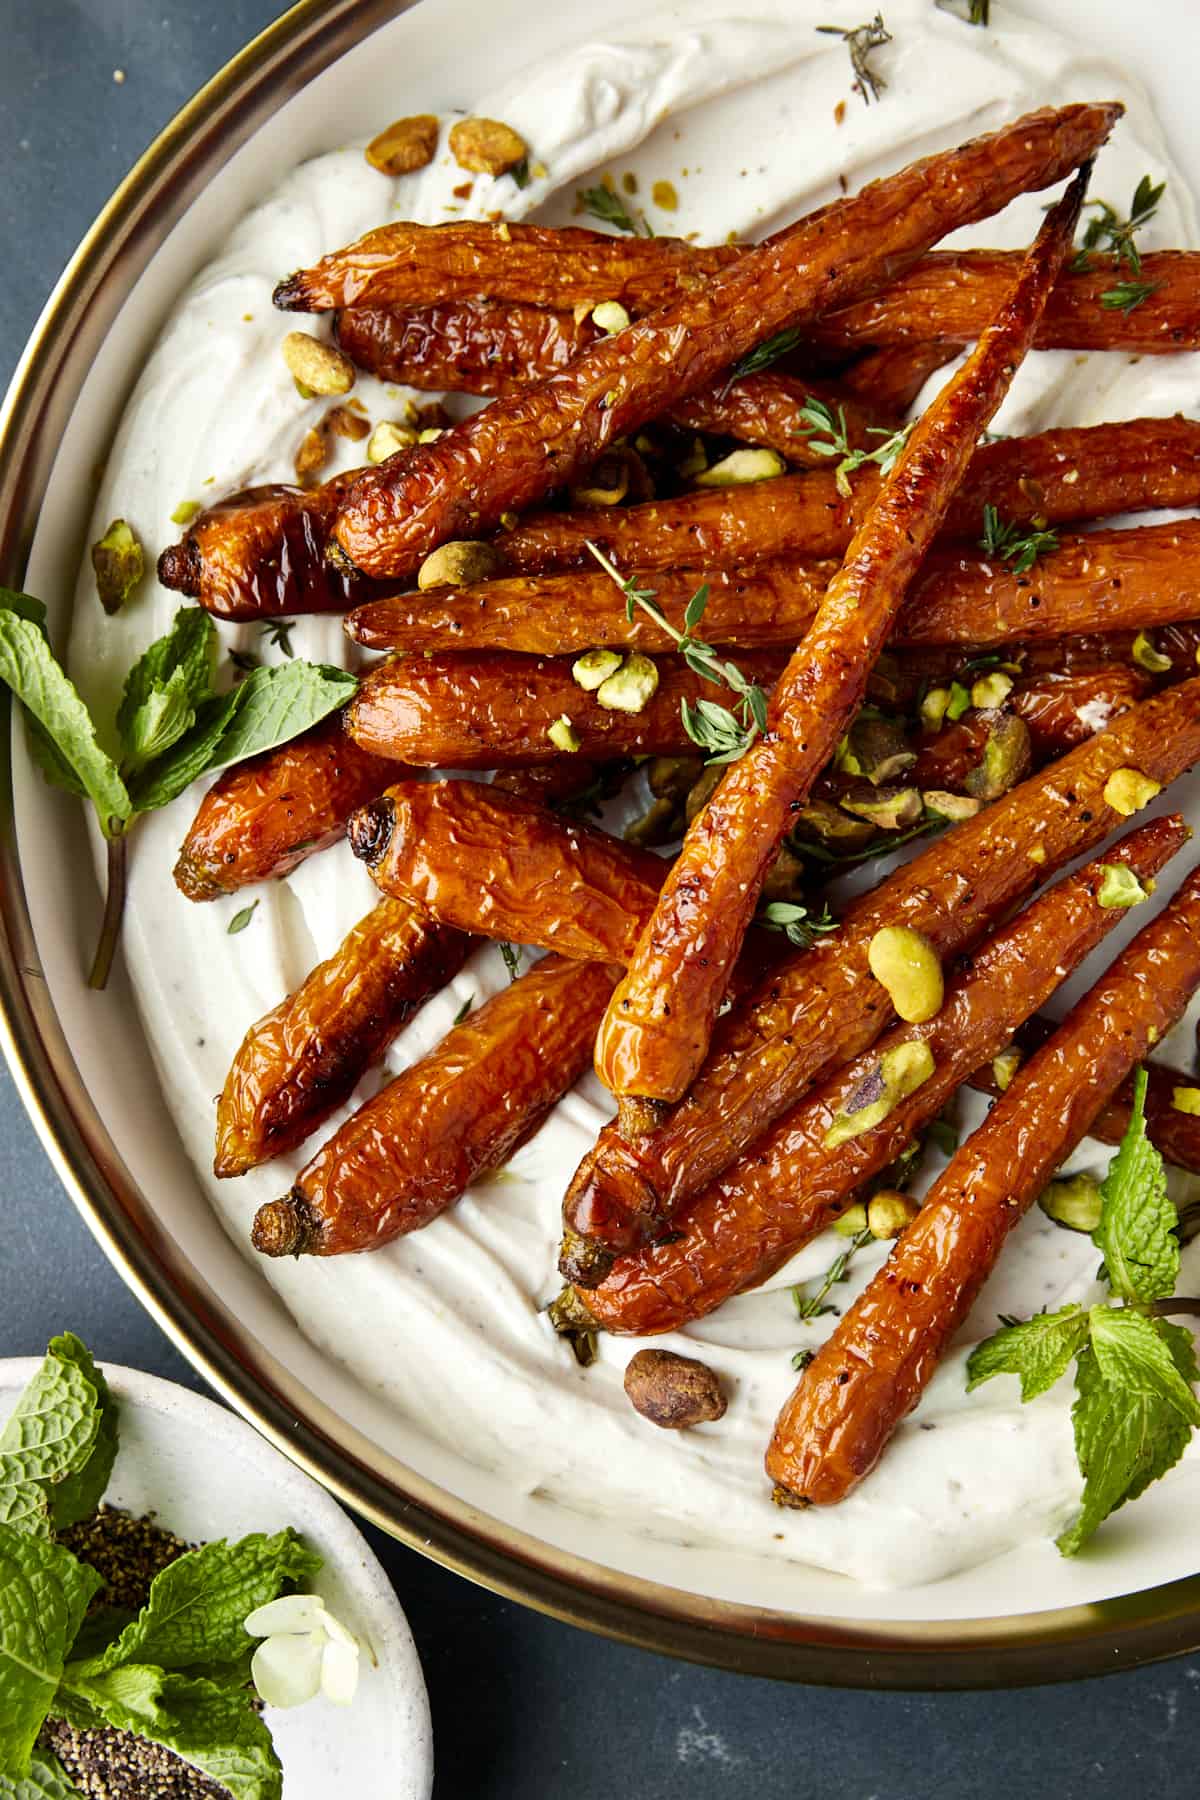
<point x="889" y="1211"/>
<point x="486" y="146"/>
<point x="741" y="467"/>
<point x="1119" y="886"/>
<point x="1128" y="790"/>
<point x="321" y="368"/>
<point x="119" y="563"/>
<point x="632" y="686"/>
<point x="852" y="1221"/>
<point x="1148" y="657"/>
<point x="404" y="146"/>
<point x="460" y="563"/>
<point x="593" y="668"/>
<point x="610" y="316"/>
<point x="951" y="807"/>
<point x="387" y="438"/>
<point x="562" y="734"/>
<point x="1186" y="1100"/>
<point x="898" y="1073"/>
<point x="991" y="690"/>
<point x="1073" y="1201"/>
<point x="905" y="963"/>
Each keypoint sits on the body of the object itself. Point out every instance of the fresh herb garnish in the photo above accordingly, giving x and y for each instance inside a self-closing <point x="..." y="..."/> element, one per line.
<point x="1127" y="296"/>
<point x="801" y="1359"/>
<point x="860" y="41"/>
<point x="603" y="204"/>
<point x="944" y="1135"/>
<point x="1135" y="1408"/>
<point x="240" y="920"/>
<point x="512" y="960"/>
<point x="244" y="661"/>
<point x="520" y="173"/>
<point x="465" y="1008"/>
<point x="766" y="353"/>
<point x="1013" y="544"/>
<point x="1108" y="232"/>
<point x="278" y="633"/>
<point x="881" y="847"/>
<point x="816" y="416"/>
<point x="170" y="727"/>
<point x="798" y="925"/>
<point x="812" y="1306"/>
<point x="725" y="735"/>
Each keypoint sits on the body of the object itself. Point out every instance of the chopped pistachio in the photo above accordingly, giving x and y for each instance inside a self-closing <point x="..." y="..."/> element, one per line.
<point x="741" y="467"/>
<point x="1006" y="758"/>
<point x="486" y="146"/>
<point x="951" y="807"/>
<point x="346" y="422"/>
<point x="593" y="668"/>
<point x="1128" y="790"/>
<point x="185" y="512"/>
<point x="631" y="687"/>
<point x="819" y="819"/>
<point x="898" y="1073"/>
<point x="1147" y="657"/>
<point x="119" y="563"/>
<point x="905" y="963"/>
<point x="610" y="316"/>
<point x="852" y="1221"/>
<point x="933" y="708"/>
<point x="879" y="748"/>
<point x="1037" y="854"/>
<point x="844" y="759"/>
<point x="889" y="1211"/>
<point x="321" y="367"/>
<point x="460" y="563"/>
<point x="430" y="435"/>
<point x="312" y="455"/>
<point x="696" y="461"/>
<point x="562" y="734"/>
<point x="606" y="483"/>
<point x="1005" y="1066"/>
<point x="958" y="702"/>
<point x="387" y="438"/>
<point x="404" y="146"/>
<point x="1073" y="1202"/>
<point x="891" y="809"/>
<point x="1119" y="886"/>
<point x="1186" y="1100"/>
<point x="991" y="690"/>
<point x="508" y="521"/>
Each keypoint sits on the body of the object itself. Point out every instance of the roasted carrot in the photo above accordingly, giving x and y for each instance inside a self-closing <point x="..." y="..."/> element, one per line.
<point x="820" y="1008"/>
<point x="791" y="1185"/>
<point x="892" y="379"/>
<point x="657" y="1028"/>
<point x="1097" y="581"/>
<point x="522" y="446"/>
<point x="305" y="1058"/>
<point x="264" y="816"/>
<point x="458" y="1113"/>
<point x="493" y="710"/>
<point x="873" y="1370"/>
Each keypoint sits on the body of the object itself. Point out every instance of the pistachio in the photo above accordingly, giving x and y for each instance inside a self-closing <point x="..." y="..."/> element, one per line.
<point x="119" y="563"/>
<point x="404" y="146"/>
<point x="562" y="734"/>
<point x="696" y="461"/>
<point x="933" y="708"/>
<point x="431" y="434"/>
<point x="905" y="963"/>
<point x="486" y="147"/>
<point x="185" y="512"/>
<point x="1128" y="790"/>
<point x="1186" y="1100"/>
<point x="951" y="807"/>
<point x="879" y="747"/>
<point x="1147" y="657"/>
<point x="890" y="809"/>
<point x="387" y="438"/>
<point x="673" y="777"/>
<point x="593" y="668"/>
<point x="852" y="1221"/>
<point x="1119" y="886"/>
<point x="460" y="563"/>
<point x="606" y="483"/>
<point x="631" y="687"/>
<point x="673" y="1391"/>
<point x="1006" y="758"/>
<point x="1004" y="1066"/>
<point x="819" y="819"/>
<point x="898" y="1073"/>
<point x="888" y="1212"/>
<point x="610" y="316"/>
<point x="991" y="690"/>
<point x="741" y="467"/>
<point x="312" y="455"/>
<point x="958" y="702"/>
<point x="321" y="367"/>
<point x="1073" y="1202"/>
<point x="342" y="422"/>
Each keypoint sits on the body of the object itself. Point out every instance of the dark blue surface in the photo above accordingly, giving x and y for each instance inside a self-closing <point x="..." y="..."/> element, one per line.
<point x="523" y="1707"/>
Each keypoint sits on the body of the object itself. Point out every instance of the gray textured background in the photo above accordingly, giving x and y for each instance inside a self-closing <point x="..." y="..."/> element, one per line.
<point x="522" y="1706"/>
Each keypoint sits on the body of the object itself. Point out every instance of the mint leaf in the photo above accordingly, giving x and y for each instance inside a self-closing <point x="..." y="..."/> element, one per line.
<point x="196" y="1605"/>
<point x="1127" y="1433"/>
<point x="187" y="759"/>
<point x="125" y="1698"/>
<point x="27" y="666"/>
<point x="1135" y="1233"/>
<point x="159" y="721"/>
<point x="1039" y="1351"/>
<point x="61" y="1437"/>
<point x="222" y="1734"/>
<point x="181" y="661"/>
<point x="79" y="1492"/>
<point x="278" y="704"/>
<point x="45" y="1781"/>
<point x="44" y="1594"/>
<point x="24" y="1507"/>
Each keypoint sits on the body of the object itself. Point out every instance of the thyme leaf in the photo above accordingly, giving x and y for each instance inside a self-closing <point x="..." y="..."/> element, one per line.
<point x="812" y="1306"/>
<point x="601" y="203"/>
<point x="1109" y="233"/>
<point x="1015" y="546"/>
<point x="1127" y="296"/>
<point x="797" y="924"/>
<point x="278" y="633"/>
<point x="817" y="417"/>
<point x="860" y="40"/>
<point x="766" y="353"/>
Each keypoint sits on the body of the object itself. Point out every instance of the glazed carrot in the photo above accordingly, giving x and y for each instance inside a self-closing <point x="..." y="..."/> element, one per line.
<point x="874" y="1368"/>
<point x="264" y="816"/>
<point x="893" y="378"/>
<point x="949" y="294"/>
<point x="821" y="1007"/>
<point x="657" y="1028"/>
<point x="522" y="446"/>
<point x="305" y="1058"/>
<point x="457" y="1114"/>
<point x="1094" y="582"/>
<point x="494" y="710"/>
<point x="791" y="1185"/>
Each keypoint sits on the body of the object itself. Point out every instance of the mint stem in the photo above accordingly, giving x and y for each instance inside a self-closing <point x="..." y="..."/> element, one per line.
<point x="1163" y="1309"/>
<point x="114" y="908"/>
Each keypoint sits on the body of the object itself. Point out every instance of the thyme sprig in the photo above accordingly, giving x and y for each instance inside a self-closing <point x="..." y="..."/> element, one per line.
<point x="278" y="633"/>
<point x="725" y="734"/>
<point x="860" y="40"/>
<point x="797" y="923"/>
<point x="1109" y="232"/>
<point x="1020" y="549"/>
<point x="816" y="416"/>
<point x="1127" y="296"/>
<point x="602" y="203"/>
<point x="812" y="1306"/>
<point x="766" y="353"/>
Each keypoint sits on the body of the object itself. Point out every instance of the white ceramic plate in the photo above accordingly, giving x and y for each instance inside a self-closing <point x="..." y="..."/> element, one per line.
<point x="205" y="1474"/>
<point x="88" y="1075"/>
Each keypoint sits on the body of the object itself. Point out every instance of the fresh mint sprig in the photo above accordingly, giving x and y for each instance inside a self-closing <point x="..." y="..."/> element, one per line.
<point x="171" y="726"/>
<point x="1135" y="1406"/>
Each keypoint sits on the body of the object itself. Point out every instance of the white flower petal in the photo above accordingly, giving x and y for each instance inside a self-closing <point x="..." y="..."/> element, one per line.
<point x="337" y="1630"/>
<point x="292" y="1612"/>
<point x="339" y="1672"/>
<point x="287" y="1669"/>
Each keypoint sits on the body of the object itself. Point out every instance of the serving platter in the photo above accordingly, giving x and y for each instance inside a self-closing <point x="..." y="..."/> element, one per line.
<point x="91" y="1085"/>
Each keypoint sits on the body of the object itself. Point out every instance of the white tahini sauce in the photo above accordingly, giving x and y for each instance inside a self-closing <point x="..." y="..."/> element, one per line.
<point x="738" y="112"/>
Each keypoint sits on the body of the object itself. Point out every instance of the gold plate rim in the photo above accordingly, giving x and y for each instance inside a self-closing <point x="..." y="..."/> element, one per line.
<point x="1059" y="1645"/>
